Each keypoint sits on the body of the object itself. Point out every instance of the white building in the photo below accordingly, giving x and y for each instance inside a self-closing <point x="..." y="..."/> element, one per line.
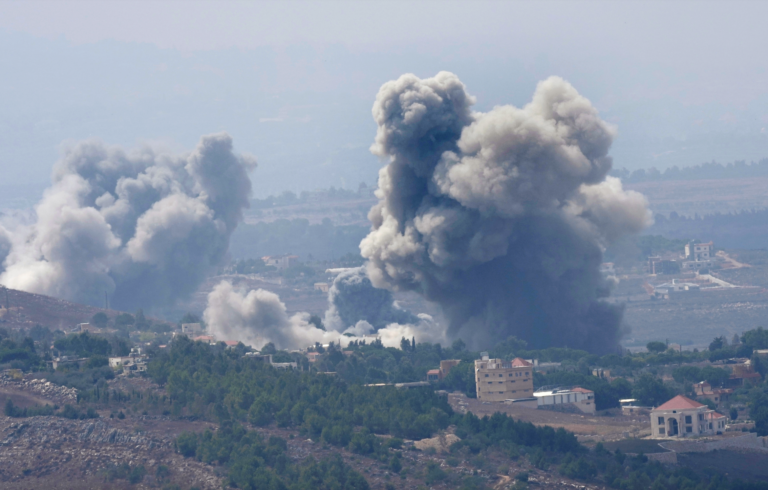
<point x="683" y="417"/>
<point x="699" y="251"/>
<point x="698" y="256"/>
<point x="280" y="262"/>
<point x="191" y="329"/>
<point x="672" y="288"/>
<point x="581" y="398"/>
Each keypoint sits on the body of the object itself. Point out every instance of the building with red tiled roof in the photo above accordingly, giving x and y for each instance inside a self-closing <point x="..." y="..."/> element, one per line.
<point x="683" y="417"/>
<point x="704" y="391"/>
<point x="520" y="362"/>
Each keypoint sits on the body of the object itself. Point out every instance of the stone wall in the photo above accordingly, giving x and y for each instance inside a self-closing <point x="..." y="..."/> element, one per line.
<point x="669" y="457"/>
<point x="748" y="441"/>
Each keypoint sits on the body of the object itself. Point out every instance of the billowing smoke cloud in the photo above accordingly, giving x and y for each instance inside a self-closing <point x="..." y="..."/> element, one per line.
<point x="500" y="217"/>
<point x="144" y="226"/>
<point x="5" y="247"/>
<point x="352" y="298"/>
<point x="257" y="317"/>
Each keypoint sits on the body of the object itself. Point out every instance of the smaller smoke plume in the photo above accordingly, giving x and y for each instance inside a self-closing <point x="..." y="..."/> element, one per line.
<point x="352" y="298"/>
<point x="145" y="226"/>
<point x="257" y="317"/>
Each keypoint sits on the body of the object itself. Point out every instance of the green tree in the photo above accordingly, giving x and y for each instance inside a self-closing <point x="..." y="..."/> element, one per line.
<point x="100" y="319"/>
<point x="656" y="346"/>
<point x="718" y="343"/>
<point x="687" y="374"/>
<point x="124" y="320"/>
<point x="651" y="391"/>
<point x="405" y="344"/>
<point x="756" y="339"/>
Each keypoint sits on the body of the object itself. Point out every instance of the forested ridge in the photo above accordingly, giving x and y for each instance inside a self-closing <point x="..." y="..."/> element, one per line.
<point x="222" y="385"/>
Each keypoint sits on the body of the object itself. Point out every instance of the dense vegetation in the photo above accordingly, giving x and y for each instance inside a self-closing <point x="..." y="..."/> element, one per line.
<point x="710" y="170"/>
<point x="218" y="384"/>
<point x="254" y="463"/>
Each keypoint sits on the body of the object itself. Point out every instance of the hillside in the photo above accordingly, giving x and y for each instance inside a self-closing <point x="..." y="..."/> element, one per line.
<point x="19" y="309"/>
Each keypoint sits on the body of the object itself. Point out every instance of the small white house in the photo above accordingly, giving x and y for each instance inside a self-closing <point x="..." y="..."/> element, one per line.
<point x="581" y="398"/>
<point x="190" y="329"/>
<point x="683" y="417"/>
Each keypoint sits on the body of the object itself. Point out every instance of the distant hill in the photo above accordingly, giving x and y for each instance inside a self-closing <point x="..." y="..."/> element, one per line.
<point x="28" y="309"/>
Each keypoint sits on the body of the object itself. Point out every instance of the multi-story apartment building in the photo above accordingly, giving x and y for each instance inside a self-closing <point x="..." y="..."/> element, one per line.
<point x="498" y="380"/>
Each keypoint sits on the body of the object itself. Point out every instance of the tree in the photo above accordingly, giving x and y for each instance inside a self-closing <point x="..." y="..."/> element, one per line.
<point x="756" y="339"/>
<point x="190" y="318"/>
<point x="140" y="320"/>
<point x="656" y="346"/>
<point x="651" y="391"/>
<point x="100" y="319"/>
<point x="405" y="344"/>
<point x="458" y="345"/>
<point x="688" y="374"/>
<point x="718" y="343"/>
<point x="714" y="376"/>
<point x="124" y="320"/>
<point x="269" y="348"/>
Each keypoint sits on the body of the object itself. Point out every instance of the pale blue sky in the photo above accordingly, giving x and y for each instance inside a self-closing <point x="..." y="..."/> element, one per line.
<point x="294" y="82"/>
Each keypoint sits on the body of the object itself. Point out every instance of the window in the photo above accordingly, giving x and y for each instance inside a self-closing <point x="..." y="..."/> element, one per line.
<point x="689" y="429"/>
<point x="510" y="375"/>
<point x="661" y="430"/>
<point x="501" y="376"/>
<point x="501" y="382"/>
<point x="490" y="382"/>
<point x="701" y="416"/>
<point x="661" y="420"/>
<point x="688" y="419"/>
<point x="513" y="380"/>
<point x="501" y="393"/>
<point x="486" y="375"/>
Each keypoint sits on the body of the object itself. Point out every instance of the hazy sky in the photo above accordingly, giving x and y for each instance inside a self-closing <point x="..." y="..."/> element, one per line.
<point x="293" y="82"/>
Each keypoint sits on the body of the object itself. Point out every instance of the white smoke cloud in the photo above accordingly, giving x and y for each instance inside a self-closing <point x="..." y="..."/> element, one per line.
<point x="256" y="317"/>
<point x="5" y="247"/>
<point x="144" y="226"/>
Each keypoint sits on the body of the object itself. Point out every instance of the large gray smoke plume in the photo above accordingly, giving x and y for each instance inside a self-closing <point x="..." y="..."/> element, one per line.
<point x="500" y="217"/>
<point x="146" y="227"/>
<point x="352" y="298"/>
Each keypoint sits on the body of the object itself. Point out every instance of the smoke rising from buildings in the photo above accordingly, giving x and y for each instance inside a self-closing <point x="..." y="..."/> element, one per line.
<point x="500" y="217"/>
<point x="352" y="298"/>
<point x="256" y="317"/>
<point x="145" y="226"/>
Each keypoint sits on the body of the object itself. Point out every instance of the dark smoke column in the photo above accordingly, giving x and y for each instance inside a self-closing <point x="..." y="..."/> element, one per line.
<point x="500" y="217"/>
